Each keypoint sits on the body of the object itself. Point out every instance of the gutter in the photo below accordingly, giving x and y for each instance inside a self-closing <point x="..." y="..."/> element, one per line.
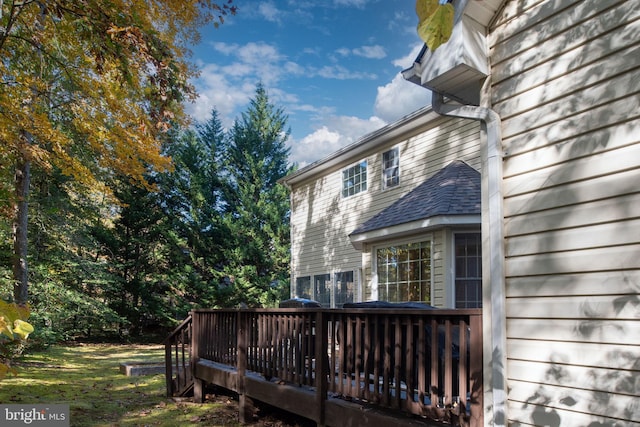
<point x="494" y="320"/>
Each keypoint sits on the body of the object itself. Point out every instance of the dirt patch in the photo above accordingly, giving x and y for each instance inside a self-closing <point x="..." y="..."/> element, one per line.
<point x="226" y="413"/>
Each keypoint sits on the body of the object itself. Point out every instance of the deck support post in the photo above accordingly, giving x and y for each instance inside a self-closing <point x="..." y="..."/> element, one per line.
<point x="194" y="356"/>
<point x="322" y="366"/>
<point x="198" y="391"/>
<point x="245" y="403"/>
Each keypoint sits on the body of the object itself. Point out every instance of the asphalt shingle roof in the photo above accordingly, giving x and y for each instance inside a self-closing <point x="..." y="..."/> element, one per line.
<point x="453" y="190"/>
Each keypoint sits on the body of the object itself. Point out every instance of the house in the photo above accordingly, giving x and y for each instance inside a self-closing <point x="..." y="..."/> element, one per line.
<point x="542" y="98"/>
<point x="383" y="218"/>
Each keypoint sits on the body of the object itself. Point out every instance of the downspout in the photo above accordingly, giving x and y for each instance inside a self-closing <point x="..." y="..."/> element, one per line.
<point x="493" y="295"/>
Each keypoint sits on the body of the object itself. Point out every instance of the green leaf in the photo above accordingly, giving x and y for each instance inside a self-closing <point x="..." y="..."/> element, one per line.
<point x="437" y="28"/>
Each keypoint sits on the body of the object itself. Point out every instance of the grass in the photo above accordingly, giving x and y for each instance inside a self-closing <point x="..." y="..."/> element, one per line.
<point x="88" y="379"/>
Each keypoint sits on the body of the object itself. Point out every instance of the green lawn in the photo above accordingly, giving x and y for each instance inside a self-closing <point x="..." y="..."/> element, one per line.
<point x="88" y="378"/>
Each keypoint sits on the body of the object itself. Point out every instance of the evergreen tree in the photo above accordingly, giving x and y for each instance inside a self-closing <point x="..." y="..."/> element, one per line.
<point x="256" y="205"/>
<point x="192" y="199"/>
<point x="138" y="251"/>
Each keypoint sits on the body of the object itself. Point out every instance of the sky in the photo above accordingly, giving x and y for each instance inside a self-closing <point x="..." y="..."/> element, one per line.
<point x="333" y="66"/>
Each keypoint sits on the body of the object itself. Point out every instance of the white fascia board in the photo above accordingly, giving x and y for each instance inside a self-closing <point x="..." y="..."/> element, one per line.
<point x="414" y="227"/>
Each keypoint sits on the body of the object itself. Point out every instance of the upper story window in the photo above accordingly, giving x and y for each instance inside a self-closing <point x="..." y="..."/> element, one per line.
<point x="354" y="179"/>
<point x="390" y="168"/>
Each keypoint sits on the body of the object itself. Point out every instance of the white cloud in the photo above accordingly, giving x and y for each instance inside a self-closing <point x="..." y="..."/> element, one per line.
<point x="399" y="98"/>
<point x="269" y="11"/>
<point x="341" y="73"/>
<point x="406" y="61"/>
<point x="336" y="133"/>
<point x="370" y="52"/>
<point x="216" y="91"/>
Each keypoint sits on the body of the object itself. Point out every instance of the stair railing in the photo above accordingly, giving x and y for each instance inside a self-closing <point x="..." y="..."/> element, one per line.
<point x="179" y="375"/>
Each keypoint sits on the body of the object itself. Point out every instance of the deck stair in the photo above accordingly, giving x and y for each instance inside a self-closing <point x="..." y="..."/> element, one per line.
<point x="179" y="377"/>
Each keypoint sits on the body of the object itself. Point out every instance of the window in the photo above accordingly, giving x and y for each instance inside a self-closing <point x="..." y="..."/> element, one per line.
<point x="303" y="287"/>
<point x="354" y="179"/>
<point x="390" y="168"/>
<point x="404" y="272"/>
<point x="322" y="287"/>
<point x="468" y="267"/>
<point x="345" y="288"/>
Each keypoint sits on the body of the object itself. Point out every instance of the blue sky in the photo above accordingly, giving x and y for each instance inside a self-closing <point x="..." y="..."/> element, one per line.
<point x="332" y="65"/>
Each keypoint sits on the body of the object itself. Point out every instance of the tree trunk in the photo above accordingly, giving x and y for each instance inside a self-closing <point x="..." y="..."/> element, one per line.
<point x="21" y="283"/>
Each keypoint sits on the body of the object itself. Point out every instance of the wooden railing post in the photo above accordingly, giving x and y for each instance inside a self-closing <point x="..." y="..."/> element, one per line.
<point x="475" y="374"/>
<point x="196" y="335"/>
<point x="322" y="365"/>
<point x="245" y="403"/>
<point x="168" y="368"/>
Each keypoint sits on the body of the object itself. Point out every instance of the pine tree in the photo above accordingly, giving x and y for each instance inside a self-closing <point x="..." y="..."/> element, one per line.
<point x="257" y="206"/>
<point x="192" y="198"/>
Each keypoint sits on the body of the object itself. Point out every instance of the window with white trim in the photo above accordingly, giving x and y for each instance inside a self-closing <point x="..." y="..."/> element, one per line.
<point x="468" y="268"/>
<point x="390" y="168"/>
<point x="404" y="272"/>
<point x="354" y="179"/>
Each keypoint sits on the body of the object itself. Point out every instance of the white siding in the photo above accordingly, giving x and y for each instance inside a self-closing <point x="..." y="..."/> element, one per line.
<point x="566" y="81"/>
<point x="322" y="219"/>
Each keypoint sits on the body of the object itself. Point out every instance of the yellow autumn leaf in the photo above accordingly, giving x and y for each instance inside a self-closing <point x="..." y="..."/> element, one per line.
<point x="5" y="327"/>
<point x="425" y="8"/>
<point x="22" y="328"/>
<point x="436" y="29"/>
<point x="4" y="370"/>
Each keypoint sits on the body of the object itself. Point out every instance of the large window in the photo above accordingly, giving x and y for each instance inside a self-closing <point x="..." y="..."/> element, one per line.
<point x="322" y="287"/>
<point x="468" y="266"/>
<point x="390" y="168"/>
<point x="345" y="288"/>
<point x="354" y="179"/>
<point x="404" y="272"/>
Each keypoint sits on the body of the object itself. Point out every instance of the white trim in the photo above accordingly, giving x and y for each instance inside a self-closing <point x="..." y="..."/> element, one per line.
<point x="429" y="237"/>
<point x="453" y="261"/>
<point x="366" y="181"/>
<point x="383" y="184"/>
<point x="411" y="228"/>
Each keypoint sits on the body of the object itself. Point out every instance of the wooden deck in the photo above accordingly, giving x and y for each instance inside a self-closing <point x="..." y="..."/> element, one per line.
<point x="337" y="366"/>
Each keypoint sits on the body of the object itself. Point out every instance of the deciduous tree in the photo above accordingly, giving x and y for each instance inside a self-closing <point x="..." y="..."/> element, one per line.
<point x="86" y="87"/>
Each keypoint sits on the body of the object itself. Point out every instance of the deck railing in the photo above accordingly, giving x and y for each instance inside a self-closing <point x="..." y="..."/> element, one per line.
<point x="421" y="362"/>
<point x="177" y="358"/>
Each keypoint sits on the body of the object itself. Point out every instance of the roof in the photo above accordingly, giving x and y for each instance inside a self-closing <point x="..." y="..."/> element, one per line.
<point x="416" y="121"/>
<point x="454" y="190"/>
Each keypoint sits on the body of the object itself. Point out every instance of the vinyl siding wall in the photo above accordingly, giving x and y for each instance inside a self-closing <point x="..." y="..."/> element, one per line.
<point x="322" y="219"/>
<point x="566" y="82"/>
